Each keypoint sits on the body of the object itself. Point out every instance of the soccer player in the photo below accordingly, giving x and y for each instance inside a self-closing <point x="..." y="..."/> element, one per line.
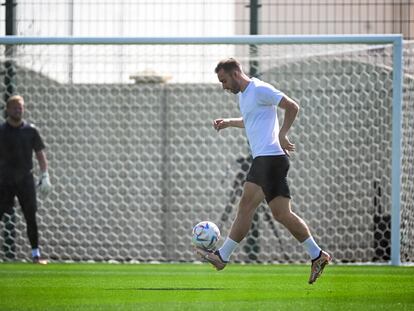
<point x="18" y="141"/>
<point x="267" y="178"/>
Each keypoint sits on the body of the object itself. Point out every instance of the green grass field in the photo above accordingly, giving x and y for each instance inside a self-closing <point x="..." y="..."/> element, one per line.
<point x="199" y="287"/>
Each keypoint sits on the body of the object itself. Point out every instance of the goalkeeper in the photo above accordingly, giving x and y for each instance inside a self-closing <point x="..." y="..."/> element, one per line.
<point x="18" y="141"/>
<point x="267" y="178"/>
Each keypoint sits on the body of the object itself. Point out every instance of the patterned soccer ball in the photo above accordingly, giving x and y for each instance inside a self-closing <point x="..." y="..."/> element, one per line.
<point x="205" y="235"/>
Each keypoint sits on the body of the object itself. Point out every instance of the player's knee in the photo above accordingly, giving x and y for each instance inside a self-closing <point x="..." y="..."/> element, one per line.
<point x="282" y="215"/>
<point x="278" y="216"/>
<point x="280" y="207"/>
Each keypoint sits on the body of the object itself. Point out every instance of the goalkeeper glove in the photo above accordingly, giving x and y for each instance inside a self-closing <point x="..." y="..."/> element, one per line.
<point x="44" y="186"/>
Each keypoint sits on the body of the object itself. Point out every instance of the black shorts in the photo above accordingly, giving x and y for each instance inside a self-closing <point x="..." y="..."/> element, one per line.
<point x="270" y="173"/>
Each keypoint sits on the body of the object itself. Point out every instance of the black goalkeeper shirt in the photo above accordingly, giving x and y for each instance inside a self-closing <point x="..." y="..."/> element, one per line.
<point x="16" y="150"/>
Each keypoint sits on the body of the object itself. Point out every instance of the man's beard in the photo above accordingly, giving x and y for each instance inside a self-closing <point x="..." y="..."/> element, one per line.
<point x="15" y="119"/>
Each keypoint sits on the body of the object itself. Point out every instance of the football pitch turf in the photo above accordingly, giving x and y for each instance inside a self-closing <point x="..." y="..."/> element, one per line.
<point x="61" y="287"/>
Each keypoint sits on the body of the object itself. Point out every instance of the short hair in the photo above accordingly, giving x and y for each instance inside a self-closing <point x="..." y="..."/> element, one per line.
<point x="228" y="65"/>
<point x="12" y="99"/>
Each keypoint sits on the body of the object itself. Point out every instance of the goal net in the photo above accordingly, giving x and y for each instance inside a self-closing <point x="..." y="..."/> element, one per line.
<point x="135" y="162"/>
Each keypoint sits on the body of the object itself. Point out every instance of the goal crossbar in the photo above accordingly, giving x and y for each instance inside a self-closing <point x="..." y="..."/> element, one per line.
<point x="238" y="39"/>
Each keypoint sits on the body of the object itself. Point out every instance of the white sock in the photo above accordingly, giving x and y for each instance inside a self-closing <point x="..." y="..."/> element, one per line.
<point x="227" y="249"/>
<point x="35" y="252"/>
<point x="312" y="248"/>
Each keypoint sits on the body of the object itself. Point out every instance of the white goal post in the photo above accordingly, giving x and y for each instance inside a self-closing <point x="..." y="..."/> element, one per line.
<point x="395" y="41"/>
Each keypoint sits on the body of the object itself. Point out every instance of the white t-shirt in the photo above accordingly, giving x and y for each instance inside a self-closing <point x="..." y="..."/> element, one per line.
<point x="258" y="106"/>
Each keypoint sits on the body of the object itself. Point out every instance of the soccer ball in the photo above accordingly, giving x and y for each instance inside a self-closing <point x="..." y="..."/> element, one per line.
<point x="205" y="235"/>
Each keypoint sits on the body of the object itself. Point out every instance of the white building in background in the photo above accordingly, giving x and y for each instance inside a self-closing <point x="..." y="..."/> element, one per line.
<point x="298" y="17"/>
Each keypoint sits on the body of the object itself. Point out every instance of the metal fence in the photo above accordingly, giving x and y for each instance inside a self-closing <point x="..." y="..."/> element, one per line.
<point x="212" y="17"/>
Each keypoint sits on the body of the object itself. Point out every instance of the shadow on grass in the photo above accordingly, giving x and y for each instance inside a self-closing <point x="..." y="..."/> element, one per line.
<point x="168" y="288"/>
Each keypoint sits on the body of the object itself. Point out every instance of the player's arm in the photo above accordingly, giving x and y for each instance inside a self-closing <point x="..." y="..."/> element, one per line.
<point x="220" y="124"/>
<point x="291" y="109"/>
<point x="41" y="159"/>
<point x="44" y="184"/>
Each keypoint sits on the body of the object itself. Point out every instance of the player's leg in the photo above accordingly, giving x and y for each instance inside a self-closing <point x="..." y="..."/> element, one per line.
<point x="276" y="189"/>
<point x="277" y="193"/>
<point x="26" y="194"/>
<point x="7" y="194"/>
<point x="282" y="212"/>
<point x="250" y="200"/>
